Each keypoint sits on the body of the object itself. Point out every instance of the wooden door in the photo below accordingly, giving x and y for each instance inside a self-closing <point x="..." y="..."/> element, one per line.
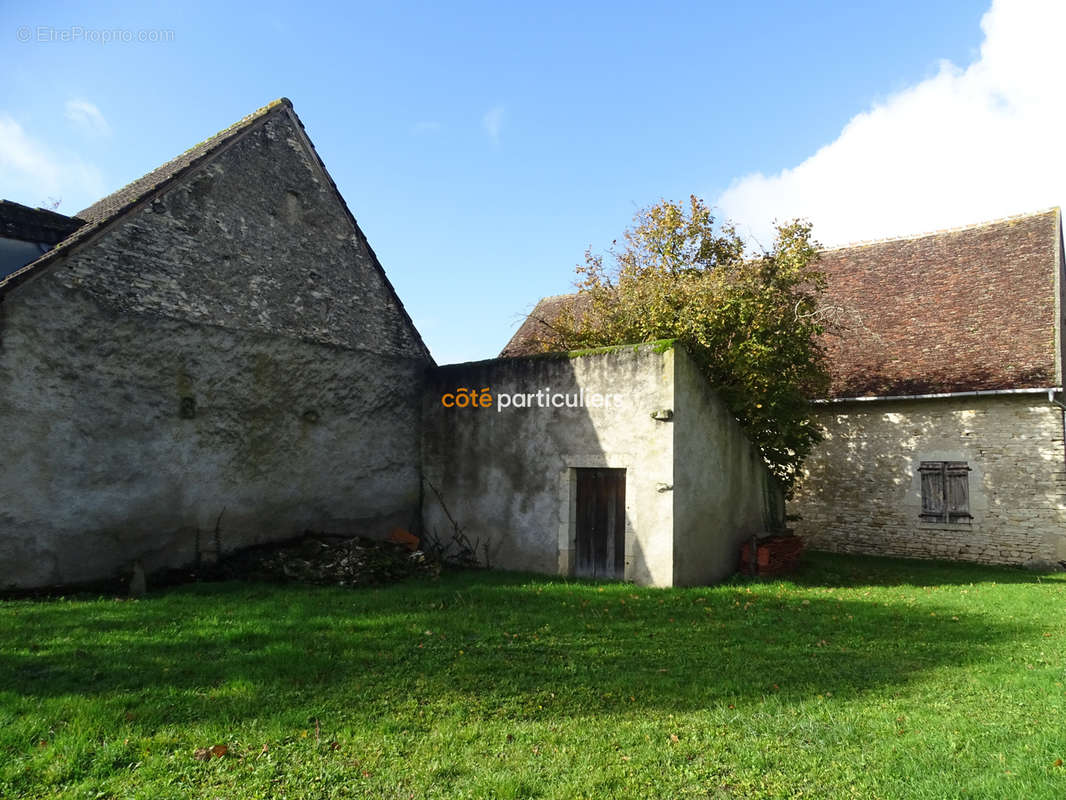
<point x="601" y="523"/>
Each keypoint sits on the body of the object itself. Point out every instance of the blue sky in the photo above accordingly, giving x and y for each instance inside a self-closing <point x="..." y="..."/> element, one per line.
<point x="484" y="146"/>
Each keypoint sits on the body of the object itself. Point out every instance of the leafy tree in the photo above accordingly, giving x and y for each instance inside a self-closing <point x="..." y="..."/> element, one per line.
<point x="752" y="323"/>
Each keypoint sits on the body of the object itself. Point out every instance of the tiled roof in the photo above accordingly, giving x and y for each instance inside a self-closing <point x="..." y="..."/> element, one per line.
<point x="535" y="334"/>
<point x="100" y="213"/>
<point x="960" y="310"/>
<point x="968" y="309"/>
<point x="35" y="224"/>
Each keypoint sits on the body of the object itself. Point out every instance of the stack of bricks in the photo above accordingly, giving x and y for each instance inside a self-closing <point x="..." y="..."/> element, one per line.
<point x="776" y="555"/>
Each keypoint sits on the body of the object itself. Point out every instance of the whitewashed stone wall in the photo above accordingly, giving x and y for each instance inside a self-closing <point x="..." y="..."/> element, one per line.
<point x="228" y="353"/>
<point x="861" y="491"/>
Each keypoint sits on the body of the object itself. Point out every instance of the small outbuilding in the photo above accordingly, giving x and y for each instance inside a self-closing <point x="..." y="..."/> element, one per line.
<point x="618" y="463"/>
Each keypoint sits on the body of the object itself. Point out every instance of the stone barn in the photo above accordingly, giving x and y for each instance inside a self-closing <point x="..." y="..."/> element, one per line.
<point x="944" y="425"/>
<point x="213" y="355"/>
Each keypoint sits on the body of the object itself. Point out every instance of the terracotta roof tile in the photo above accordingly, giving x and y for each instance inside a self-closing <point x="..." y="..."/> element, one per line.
<point x="535" y="334"/>
<point x="961" y="310"/>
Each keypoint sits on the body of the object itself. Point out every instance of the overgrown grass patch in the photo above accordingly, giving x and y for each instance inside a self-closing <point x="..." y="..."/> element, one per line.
<point x="857" y="678"/>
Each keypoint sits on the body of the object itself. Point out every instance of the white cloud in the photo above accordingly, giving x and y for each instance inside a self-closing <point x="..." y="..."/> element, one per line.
<point x="87" y="117"/>
<point x="31" y="173"/>
<point x="492" y="122"/>
<point x="964" y="146"/>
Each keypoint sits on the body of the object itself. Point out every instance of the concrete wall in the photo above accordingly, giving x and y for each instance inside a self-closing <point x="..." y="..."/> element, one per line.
<point x="245" y="291"/>
<point x="861" y="490"/>
<point x="723" y="492"/>
<point x="507" y="475"/>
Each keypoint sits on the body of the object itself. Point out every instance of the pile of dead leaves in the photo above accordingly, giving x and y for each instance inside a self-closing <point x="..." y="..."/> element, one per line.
<point x="331" y="560"/>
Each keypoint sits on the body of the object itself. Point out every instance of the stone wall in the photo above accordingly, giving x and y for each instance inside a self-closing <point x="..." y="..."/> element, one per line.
<point x="723" y="492"/>
<point x="695" y="486"/>
<point x="255" y="239"/>
<point x="507" y="475"/>
<point x="229" y="346"/>
<point x="861" y="491"/>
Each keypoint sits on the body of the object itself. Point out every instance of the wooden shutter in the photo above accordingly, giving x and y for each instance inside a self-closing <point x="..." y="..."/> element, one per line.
<point x="957" y="491"/>
<point x="932" y="473"/>
<point x="945" y="491"/>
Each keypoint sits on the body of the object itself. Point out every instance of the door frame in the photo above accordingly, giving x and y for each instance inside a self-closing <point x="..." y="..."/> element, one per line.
<point x="567" y="538"/>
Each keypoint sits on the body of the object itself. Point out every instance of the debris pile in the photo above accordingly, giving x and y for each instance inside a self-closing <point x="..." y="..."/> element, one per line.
<point x="332" y="560"/>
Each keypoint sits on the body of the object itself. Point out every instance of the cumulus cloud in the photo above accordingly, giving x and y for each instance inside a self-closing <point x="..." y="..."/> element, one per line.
<point x="492" y="122"/>
<point x="87" y="117"/>
<point x="963" y="146"/>
<point x="31" y="173"/>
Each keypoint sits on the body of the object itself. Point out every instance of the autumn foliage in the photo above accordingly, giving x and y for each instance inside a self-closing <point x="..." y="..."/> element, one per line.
<point x="752" y="323"/>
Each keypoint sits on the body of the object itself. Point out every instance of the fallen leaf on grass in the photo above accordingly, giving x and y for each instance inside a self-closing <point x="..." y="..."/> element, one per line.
<point x="673" y="737"/>
<point x="207" y="753"/>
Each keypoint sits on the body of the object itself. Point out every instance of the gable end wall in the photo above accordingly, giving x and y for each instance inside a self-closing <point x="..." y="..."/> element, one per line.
<point x="243" y="292"/>
<point x="254" y="239"/>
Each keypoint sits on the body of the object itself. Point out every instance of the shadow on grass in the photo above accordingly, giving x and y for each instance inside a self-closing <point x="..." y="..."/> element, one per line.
<point x="486" y="644"/>
<point x="839" y="570"/>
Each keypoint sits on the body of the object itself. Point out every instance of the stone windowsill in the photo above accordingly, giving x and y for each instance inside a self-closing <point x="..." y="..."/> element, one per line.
<point x="946" y="526"/>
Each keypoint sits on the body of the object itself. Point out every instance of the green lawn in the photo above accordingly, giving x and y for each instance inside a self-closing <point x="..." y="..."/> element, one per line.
<point x="858" y="678"/>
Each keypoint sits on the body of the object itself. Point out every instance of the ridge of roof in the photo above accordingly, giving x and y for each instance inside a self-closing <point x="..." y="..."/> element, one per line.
<point x="886" y="240"/>
<point x="943" y="231"/>
<point x="107" y="209"/>
<point x="107" y="206"/>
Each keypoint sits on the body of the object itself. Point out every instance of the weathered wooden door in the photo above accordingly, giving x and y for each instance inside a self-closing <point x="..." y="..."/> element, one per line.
<point x="601" y="523"/>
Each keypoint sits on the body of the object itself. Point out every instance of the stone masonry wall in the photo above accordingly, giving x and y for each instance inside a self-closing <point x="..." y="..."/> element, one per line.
<point x="508" y="477"/>
<point x="256" y="239"/>
<point x="861" y="491"/>
<point x="229" y="348"/>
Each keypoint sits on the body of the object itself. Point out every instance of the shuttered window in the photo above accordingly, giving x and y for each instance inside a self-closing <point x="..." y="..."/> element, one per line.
<point x="945" y="491"/>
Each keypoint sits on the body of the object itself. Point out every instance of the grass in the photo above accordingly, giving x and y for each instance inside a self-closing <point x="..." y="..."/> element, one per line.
<point x="860" y="678"/>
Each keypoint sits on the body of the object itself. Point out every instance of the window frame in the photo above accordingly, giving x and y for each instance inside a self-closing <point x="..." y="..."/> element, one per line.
<point x="945" y="492"/>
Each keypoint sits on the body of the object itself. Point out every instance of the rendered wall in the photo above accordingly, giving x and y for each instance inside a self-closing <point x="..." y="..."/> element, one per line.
<point x="723" y="492"/>
<point x="861" y="492"/>
<point x="245" y="290"/>
<point x="507" y="475"/>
